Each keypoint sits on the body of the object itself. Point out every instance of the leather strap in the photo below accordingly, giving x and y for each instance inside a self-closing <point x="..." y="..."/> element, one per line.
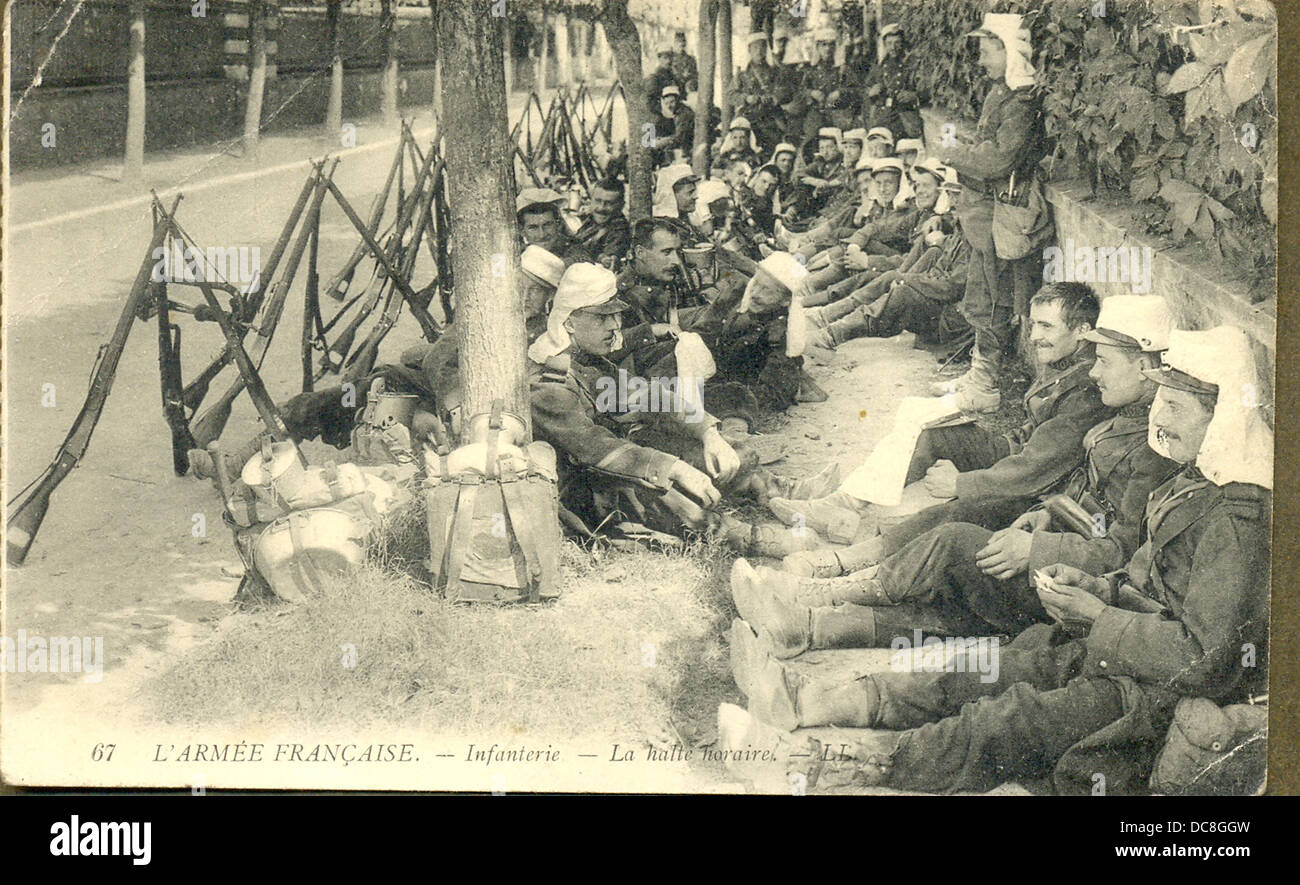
<point x="462" y="521"/>
<point x="517" y="511"/>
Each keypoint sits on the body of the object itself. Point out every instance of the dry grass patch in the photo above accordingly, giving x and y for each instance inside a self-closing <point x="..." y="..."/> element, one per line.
<point x="632" y="648"/>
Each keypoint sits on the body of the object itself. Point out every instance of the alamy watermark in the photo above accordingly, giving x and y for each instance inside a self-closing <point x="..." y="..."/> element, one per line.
<point x="955" y="654"/>
<point x="57" y="654"/>
<point x="1130" y="265"/>
<point x="216" y="264"/>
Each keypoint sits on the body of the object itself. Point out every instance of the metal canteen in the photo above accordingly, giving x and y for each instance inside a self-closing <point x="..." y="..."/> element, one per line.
<point x="700" y="258"/>
<point x="276" y="474"/>
<point x="298" y="552"/>
<point x="395" y="408"/>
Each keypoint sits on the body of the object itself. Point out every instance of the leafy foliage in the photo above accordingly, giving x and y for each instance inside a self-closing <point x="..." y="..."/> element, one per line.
<point x="1173" y="103"/>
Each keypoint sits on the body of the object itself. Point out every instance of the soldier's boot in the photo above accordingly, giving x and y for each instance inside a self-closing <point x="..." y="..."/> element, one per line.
<point x="772" y="759"/>
<point x="820" y="338"/>
<point x="789" y="623"/>
<point x="764" y="485"/>
<point x="850" y="326"/>
<point x="980" y="392"/>
<point x="779" y="696"/>
<point x="837" y="515"/>
<point x="833" y="563"/>
<point x="859" y="588"/>
<point x="773" y="541"/>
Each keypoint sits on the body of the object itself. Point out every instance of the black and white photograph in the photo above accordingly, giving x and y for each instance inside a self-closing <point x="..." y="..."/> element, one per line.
<point x="788" y="397"/>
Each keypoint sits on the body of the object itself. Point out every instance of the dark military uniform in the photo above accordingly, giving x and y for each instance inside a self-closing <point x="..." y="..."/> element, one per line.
<point x="810" y="200"/>
<point x="938" y="571"/>
<point x="1009" y="139"/>
<point x="897" y="106"/>
<point x="686" y="71"/>
<point x="1002" y="475"/>
<point x="754" y="95"/>
<point x="811" y="113"/>
<point x="660" y="79"/>
<point x="679" y="128"/>
<point x="609" y="242"/>
<point x="915" y="296"/>
<point x="615" y="462"/>
<point x="1179" y="615"/>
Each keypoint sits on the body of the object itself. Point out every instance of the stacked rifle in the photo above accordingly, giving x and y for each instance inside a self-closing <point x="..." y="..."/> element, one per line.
<point x="419" y="217"/>
<point x="570" y="138"/>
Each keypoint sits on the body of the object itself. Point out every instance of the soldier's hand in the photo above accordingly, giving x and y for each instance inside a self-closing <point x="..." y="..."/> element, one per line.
<point x="695" y="484"/>
<point x="663" y="330"/>
<point x="1068" y="575"/>
<point x="720" y="459"/>
<point x="1067" y="601"/>
<point x="874" y="90"/>
<point x="1006" y="554"/>
<point x="1033" y="521"/>
<point x="941" y="479"/>
<point x="856" y="259"/>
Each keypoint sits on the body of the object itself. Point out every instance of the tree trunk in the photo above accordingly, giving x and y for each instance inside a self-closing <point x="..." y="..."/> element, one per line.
<point x="334" y="110"/>
<point x="388" y="39"/>
<point x="133" y="163"/>
<point x="704" y="100"/>
<point x="563" y="60"/>
<point x="541" y="61"/>
<point x="582" y="55"/>
<point x="437" y="61"/>
<point x="508" y="36"/>
<point x="625" y="43"/>
<point x="256" y="76"/>
<point x="480" y="174"/>
<point x="600" y="53"/>
<point x="724" y="58"/>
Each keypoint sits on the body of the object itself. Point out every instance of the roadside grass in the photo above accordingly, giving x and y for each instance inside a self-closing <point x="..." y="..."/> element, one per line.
<point x="634" y="647"/>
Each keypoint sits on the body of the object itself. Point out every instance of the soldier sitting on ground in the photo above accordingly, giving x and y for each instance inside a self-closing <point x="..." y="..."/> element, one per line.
<point x="537" y="210"/>
<point x="605" y="231"/>
<point x="635" y="437"/>
<point x="920" y="295"/>
<point x="967" y="461"/>
<point x="1093" y="693"/>
<point x="973" y="577"/>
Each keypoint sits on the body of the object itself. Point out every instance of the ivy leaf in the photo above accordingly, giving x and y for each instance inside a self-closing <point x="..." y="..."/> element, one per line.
<point x="1217" y="210"/>
<point x="1144" y="187"/>
<point x="1174" y="149"/>
<point x="1166" y="128"/>
<point x="1217" y="95"/>
<point x="1189" y="75"/>
<point x="1203" y="225"/>
<point x="1242" y="80"/>
<point x="1195" y="106"/>
<point x="1268" y="198"/>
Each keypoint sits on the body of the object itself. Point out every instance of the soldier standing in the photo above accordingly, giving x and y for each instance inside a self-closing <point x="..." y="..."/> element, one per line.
<point x="1008" y="143"/>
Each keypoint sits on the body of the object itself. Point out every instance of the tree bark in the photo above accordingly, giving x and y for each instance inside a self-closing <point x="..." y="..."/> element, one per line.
<point x="541" y="61"/>
<point x="437" y="61"/>
<point x="388" y="38"/>
<point x="563" y="60"/>
<point x="133" y="163"/>
<point x="257" y="12"/>
<point x="489" y="323"/>
<point x="334" y="109"/>
<point x="508" y="37"/>
<point x="625" y="43"/>
<point x="704" y="99"/>
<point x="724" y="58"/>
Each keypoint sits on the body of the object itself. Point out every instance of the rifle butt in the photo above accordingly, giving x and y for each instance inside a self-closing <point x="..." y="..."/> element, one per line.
<point x="22" y="526"/>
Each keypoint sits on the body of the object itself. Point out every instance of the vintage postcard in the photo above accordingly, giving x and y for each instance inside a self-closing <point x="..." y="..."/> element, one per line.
<point x="692" y="396"/>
